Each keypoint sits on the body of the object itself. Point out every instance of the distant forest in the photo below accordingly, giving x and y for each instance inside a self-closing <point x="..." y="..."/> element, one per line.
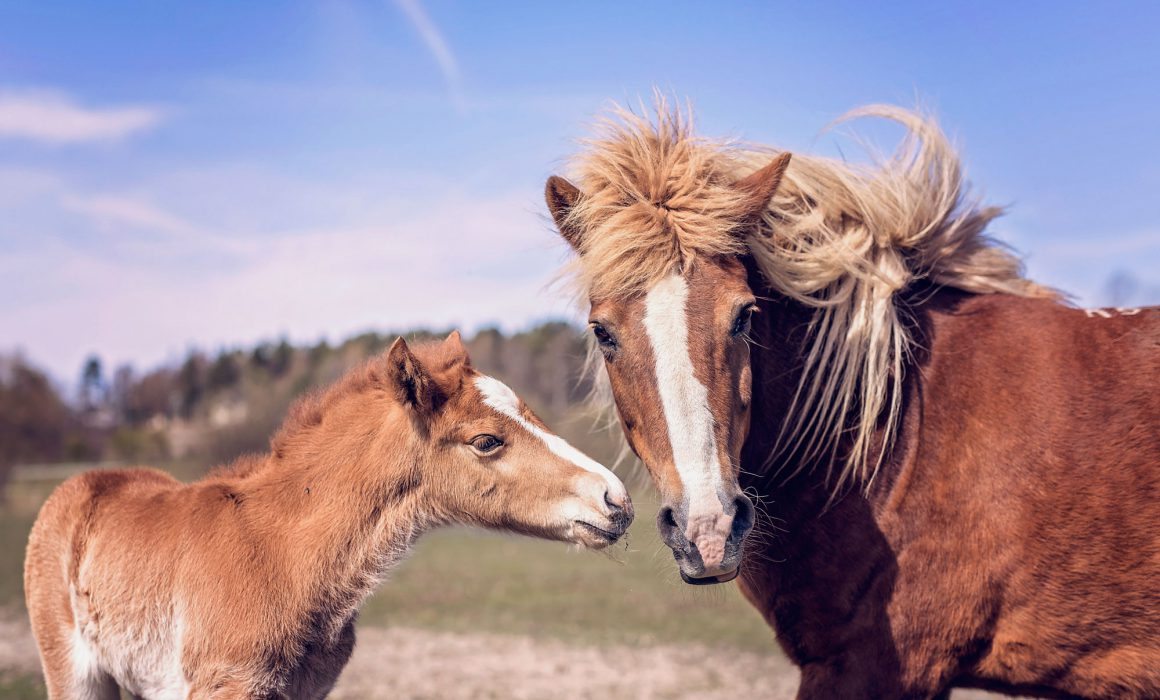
<point x="211" y="408"/>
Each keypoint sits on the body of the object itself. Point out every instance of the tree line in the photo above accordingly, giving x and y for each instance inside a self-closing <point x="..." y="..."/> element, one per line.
<point x="210" y="408"/>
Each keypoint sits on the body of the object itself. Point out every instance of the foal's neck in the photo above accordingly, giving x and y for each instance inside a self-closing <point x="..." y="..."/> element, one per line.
<point x="339" y="501"/>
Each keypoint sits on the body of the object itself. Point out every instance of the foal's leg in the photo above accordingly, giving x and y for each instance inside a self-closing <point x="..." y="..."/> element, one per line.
<point x="75" y="679"/>
<point x="319" y="671"/>
<point x="89" y="681"/>
<point x="64" y="684"/>
<point x="101" y="687"/>
<point x="69" y="673"/>
<point x="54" y="659"/>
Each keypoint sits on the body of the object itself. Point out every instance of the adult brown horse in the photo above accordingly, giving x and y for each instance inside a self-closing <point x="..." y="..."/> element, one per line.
<point x="958" y="476"/>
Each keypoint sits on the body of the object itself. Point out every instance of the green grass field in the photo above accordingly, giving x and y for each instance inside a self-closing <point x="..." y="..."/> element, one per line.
<point x="469" y="580"/>
<point x="21" y="687"/>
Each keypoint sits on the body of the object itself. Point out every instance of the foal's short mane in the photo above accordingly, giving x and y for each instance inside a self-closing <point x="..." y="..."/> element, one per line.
<point x="844" y="239"/>
<point x="442" y="364"/>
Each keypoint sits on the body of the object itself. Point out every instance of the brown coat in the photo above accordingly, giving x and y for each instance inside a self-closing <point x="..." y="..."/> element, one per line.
<point x="1012" y="540"/>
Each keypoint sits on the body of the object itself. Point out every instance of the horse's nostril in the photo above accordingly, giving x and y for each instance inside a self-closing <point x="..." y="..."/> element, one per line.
<point x="667" y="525"/>
<point x="743" y="518"/>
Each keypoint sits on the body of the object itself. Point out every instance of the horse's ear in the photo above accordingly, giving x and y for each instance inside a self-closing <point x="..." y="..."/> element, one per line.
<point x="759" y="187"/>
<point x="412" y="385"/>
<point x="562" y="196"/>
<point x="456" y="349"/>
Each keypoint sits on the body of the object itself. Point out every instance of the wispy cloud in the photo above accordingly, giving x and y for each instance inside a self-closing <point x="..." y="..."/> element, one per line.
<point x="437" y="45"/>
<point x="142" y="272"/>
<point x="131" y="225"/>
<point x="115" y="211"/>
<point x="55" y="118"/>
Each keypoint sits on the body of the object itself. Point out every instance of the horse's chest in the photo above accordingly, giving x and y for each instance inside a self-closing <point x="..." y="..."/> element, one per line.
<point x="826" y="587"/>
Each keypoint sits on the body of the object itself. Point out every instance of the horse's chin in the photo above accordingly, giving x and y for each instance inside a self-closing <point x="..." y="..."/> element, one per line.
<point x="710" y="580"/>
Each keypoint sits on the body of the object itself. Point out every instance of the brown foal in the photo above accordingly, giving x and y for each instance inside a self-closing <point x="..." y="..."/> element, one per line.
<point x="246" y="584"/>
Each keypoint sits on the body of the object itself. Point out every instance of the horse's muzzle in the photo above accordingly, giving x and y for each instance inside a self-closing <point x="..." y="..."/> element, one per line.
<point x="707" y="548"/>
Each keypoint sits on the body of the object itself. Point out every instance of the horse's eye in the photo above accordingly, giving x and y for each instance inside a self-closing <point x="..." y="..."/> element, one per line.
<point x="486" y="444"/>
<point x="603" y="336"/>
<point x="744" y="321"/>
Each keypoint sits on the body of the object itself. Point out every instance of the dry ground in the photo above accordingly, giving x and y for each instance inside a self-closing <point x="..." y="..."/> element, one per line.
<point x="412" y="663"/>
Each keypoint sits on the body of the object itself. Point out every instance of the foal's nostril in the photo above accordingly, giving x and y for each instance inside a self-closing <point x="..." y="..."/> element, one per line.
<point x="619" y="508"/>
<point x="614" y="503"/>
<point x="743" y="518"/>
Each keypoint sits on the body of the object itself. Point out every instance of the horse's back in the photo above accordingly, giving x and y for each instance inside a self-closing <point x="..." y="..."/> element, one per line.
<point x="1091" y="378"/>
<point x="1042" y="435"/>
<point x="1078" y="386"/>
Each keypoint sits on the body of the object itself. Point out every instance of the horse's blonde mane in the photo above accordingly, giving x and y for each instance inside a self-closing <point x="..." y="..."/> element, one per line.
<point x="841" y="238"/>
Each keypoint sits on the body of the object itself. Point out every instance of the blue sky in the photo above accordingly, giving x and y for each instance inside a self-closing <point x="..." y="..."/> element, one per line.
<point x="218" y="173"/>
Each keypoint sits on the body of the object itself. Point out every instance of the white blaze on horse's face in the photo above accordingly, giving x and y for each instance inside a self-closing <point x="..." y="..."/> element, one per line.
<point x="684" y="403"/>
<point x="678" y="362"/>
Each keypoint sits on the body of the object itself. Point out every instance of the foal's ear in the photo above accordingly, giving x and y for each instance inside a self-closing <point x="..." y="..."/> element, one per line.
<point x="410" y="381"/>
<point x="456" y="349"/>
<point x="759" y="187"/>
<point x="562" y="196"/>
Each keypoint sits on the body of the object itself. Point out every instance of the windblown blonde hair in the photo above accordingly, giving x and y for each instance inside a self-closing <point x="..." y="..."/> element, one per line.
<point x="841" y="238"/>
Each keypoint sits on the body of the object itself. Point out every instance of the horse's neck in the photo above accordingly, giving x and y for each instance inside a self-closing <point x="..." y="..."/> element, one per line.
<point x="778" y="334"/>
<point x="779" y="350"/>
<point x="340" y="512"/>
<point x="771" y="465"/>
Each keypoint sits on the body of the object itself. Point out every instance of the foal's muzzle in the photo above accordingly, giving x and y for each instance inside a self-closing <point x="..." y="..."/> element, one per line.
<point x="610" y="525"/>
<point x="708" y="547"/>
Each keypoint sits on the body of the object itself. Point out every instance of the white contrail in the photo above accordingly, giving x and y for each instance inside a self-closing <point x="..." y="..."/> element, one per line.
<point x="437" y="45"/>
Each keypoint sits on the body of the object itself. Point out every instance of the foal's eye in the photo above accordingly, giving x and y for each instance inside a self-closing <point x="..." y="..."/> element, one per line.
<point x="744" y="320"/>
<point x="486" y="444"/>
<point x="603" y="337"/>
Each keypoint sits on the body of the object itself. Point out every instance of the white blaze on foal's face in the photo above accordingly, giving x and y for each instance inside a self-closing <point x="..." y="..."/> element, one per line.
<point x="574" y="493"/>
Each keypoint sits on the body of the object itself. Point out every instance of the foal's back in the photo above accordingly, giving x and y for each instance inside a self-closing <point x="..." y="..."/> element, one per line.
<point x="130" y="573"/>
<point x="70" y="596"/>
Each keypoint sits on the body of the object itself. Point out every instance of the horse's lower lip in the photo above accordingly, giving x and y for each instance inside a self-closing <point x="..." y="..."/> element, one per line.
<point x="600" y="532"/>
<point x="710" y="580"/>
